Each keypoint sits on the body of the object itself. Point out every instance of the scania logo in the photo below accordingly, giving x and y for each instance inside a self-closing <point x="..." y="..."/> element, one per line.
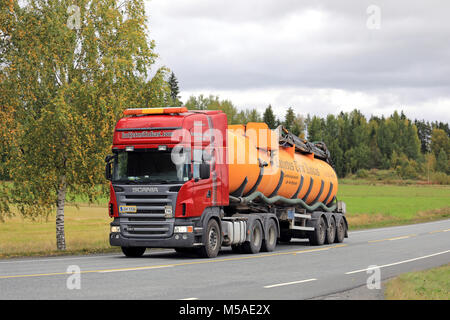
<point x="144" y="189"/>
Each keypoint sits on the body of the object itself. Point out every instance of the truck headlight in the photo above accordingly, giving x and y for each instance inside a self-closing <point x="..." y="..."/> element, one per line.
<point x="183" y="229"/>
<point x="168" y="213"/>
<point x="115" y="229"/>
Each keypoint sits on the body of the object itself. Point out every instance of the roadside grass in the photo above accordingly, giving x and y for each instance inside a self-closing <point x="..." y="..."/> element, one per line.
<point x="87" y="227"/>
<point x="432" y="284"/>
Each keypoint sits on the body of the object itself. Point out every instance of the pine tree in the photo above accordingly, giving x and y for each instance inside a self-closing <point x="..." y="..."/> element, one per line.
<point x="174" y="90"/>
<point x="289" y="120"/>
<point x="269" y="117"/>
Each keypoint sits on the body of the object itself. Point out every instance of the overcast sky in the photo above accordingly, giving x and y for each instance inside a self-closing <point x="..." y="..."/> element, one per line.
<point x="318" y="57"/>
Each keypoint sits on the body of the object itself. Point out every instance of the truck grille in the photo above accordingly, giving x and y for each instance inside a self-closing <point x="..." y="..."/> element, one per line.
<point x="148" y="221"/>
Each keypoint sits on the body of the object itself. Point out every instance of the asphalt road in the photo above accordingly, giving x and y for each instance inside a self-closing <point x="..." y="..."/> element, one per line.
<point x="293" y="271"/>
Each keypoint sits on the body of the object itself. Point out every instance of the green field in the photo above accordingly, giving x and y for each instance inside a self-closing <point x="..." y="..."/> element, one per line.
<point x="87" y="228"/>
<point x="432" y="284"/>
<point x="380" y="205"/>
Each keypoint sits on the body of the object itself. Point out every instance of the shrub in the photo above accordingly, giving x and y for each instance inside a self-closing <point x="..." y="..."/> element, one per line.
<point x="362" y="174"/>
<point x="440" y="178"/>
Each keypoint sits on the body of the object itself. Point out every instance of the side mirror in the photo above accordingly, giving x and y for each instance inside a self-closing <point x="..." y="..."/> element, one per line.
<point x="108" y="158"/>
<point x="108" y="166"/>
<point x="108" y="174"/>
<point x="205" y="169"/>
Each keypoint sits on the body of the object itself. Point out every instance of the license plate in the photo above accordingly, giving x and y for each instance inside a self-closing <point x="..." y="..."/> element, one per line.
<point x="127" y="209"/>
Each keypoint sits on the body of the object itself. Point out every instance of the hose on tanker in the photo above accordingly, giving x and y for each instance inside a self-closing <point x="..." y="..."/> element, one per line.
<point x="274" y="199"/>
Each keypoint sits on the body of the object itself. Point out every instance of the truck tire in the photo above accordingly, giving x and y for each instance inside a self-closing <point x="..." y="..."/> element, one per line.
<point x="317" y="237"/>
<point x="133" y="252"/>
<point x="256" y="236"/>
<point x="341" y="228"/>
<point x="331" y="231"/>
<point x="270" y="242"/>
<point x="212" y="241"/>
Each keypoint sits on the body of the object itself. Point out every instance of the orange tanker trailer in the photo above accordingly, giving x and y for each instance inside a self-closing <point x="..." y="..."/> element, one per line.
<point x="183" y="179"/>
<point x="275" y="171"/>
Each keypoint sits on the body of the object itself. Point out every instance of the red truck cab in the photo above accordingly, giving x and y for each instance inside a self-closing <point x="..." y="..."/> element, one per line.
<point x="168" y="177"/>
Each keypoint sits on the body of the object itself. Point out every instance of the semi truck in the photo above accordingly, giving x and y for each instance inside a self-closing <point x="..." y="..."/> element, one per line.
<point x="186" y="180"/>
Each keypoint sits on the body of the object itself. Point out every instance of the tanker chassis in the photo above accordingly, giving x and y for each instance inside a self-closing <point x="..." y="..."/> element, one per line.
<point x="186" y="180"/>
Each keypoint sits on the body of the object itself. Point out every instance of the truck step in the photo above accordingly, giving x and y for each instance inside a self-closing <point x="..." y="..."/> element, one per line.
<point x="197" y="244"/>
<point x="300" y="215"/>
<point x="302" y="228"/>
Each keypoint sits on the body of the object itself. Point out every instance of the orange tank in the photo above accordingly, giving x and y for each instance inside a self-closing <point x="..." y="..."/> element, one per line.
<point x="258" y="163"/>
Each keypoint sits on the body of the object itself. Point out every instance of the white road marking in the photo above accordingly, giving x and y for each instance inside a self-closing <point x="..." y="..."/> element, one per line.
<point x="288" y="283"/>
<point x="400" y="262"/>
<point x="189" y="299"/>
<point x="133" y="269"/>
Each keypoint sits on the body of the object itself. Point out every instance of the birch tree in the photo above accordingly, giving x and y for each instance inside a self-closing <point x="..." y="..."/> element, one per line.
<point x="68" y="70"/>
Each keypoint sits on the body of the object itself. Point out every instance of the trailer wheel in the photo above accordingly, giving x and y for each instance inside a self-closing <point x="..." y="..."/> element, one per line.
<point x="133" y="252"/>
<point x="317" y="237"/>
<point x="331" y="231"/>
<point x="212" y="240"/>
<point x="270" y="242"/>
<point x="340" y="231"/>
<point x="254" y="245"/>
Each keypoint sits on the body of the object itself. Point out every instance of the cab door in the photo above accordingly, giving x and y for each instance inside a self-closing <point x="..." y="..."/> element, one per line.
<point x="203" y="196"/>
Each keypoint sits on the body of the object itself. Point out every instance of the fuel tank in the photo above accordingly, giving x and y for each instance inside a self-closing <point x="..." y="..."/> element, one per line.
<point x="257" y="162"/>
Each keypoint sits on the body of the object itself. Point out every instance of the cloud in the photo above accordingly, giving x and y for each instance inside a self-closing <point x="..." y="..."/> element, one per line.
<point x="309" y="55"/>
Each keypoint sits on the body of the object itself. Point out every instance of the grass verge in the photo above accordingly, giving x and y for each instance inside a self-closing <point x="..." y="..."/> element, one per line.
<point x="86" y="228"/>
<point x="432" y="284"/>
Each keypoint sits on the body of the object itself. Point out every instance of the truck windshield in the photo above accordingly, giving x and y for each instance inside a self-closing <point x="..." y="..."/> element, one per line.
<point x="148" y="166"/>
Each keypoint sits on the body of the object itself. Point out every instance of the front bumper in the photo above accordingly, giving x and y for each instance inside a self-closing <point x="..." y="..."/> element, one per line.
<point x="176" y="240"/>
<point x="116" y="239"/>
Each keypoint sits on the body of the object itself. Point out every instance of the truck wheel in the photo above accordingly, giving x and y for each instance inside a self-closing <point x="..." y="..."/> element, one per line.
<point x="317" y="237"/>
<point x="331" y="231"/>
<point x="270" y="242"/>
<point x="340" y="231"/>
<point x="212" y="240"/>
<point x="254" y="245"/>
<point x="133" y="252"/>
